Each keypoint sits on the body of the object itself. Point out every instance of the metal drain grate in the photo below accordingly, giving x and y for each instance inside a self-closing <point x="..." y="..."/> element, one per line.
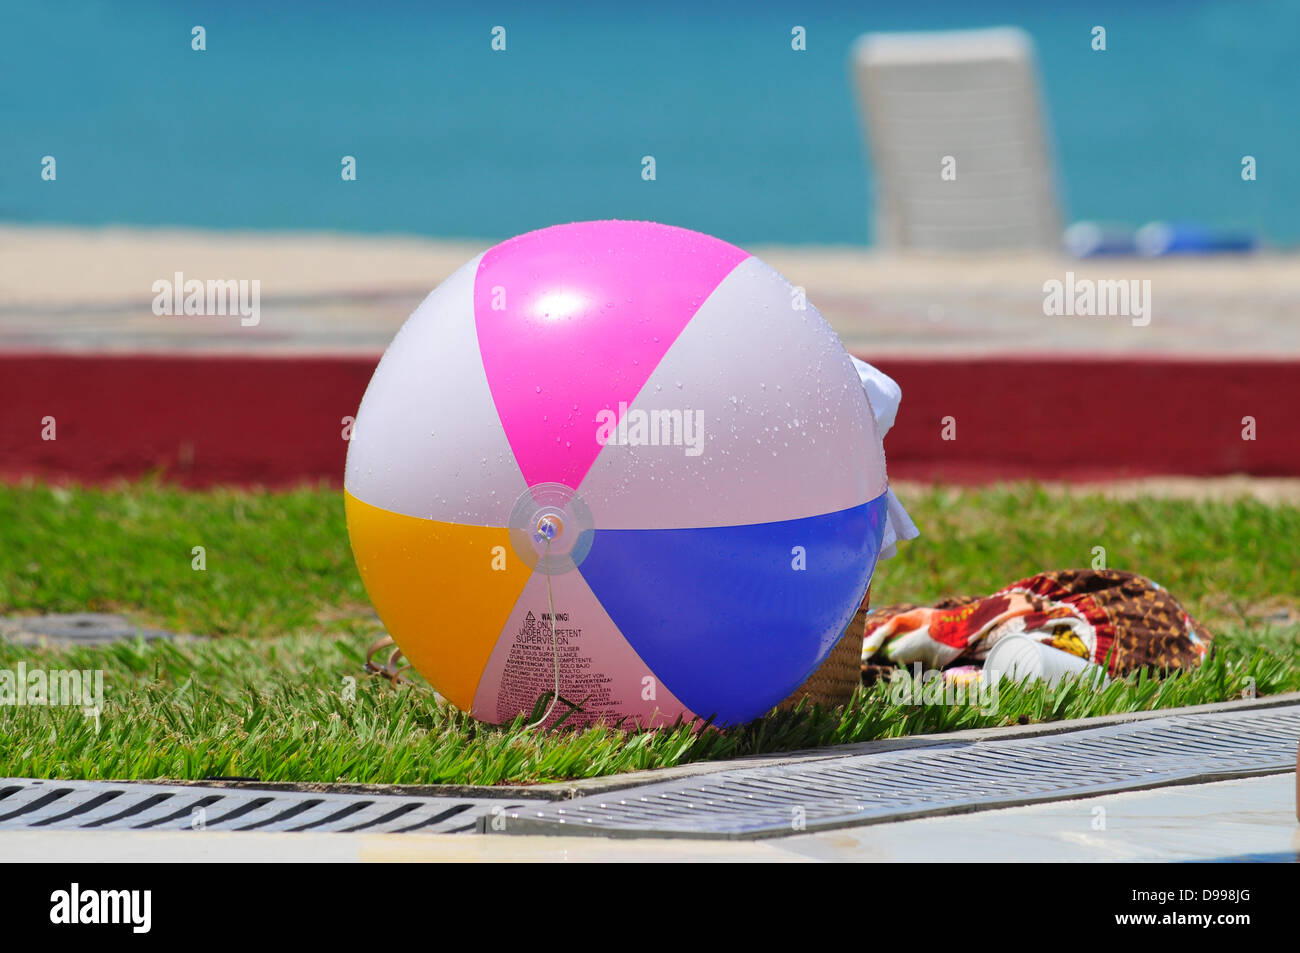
<point x="99" y="805"/>
<point x="941" y="779"/>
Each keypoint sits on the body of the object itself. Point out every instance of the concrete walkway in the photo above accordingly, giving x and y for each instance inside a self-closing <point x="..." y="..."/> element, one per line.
<point x="71" y="289"/>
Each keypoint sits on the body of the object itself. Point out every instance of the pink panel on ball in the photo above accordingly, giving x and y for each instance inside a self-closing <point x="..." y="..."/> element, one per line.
<point x="573" y="319"/>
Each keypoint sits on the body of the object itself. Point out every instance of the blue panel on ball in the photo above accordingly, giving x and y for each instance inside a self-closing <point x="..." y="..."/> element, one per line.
<point x="732" y="619"/>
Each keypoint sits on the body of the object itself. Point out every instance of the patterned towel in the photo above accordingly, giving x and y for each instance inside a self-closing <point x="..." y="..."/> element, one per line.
<point x="1118" y="619"/>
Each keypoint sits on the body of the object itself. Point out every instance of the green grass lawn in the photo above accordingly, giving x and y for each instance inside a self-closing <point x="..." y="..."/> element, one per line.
<point x="269" y="692"/>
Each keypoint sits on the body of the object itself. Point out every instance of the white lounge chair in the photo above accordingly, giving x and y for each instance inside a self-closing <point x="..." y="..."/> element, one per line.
<point x="971" y="95"/>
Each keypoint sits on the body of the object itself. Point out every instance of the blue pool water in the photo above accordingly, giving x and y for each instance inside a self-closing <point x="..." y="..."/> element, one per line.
<point x="753" y="142"/>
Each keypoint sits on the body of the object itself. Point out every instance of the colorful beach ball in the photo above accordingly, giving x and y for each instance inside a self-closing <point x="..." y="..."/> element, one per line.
<point x="626" y="451"/>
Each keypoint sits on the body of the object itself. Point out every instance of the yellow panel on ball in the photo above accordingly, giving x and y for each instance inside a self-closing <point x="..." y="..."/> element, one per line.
<point x="444" y="590"/>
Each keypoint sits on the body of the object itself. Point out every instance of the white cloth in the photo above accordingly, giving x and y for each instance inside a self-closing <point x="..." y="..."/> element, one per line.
<point x="885" y="395"/>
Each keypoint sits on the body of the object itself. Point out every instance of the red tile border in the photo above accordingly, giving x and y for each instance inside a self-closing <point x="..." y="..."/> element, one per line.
<point x="214" y="419"/>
